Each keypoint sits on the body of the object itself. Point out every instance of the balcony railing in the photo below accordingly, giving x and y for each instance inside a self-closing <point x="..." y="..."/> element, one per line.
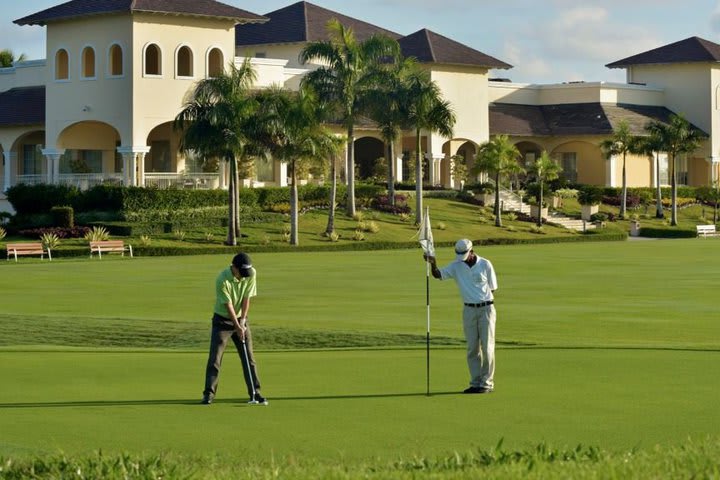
<point x="83" y="181"/>
<point x="31" y="179"/>
<point x="182" y="180"/>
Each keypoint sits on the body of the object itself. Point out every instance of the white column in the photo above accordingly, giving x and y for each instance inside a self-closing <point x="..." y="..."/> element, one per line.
<point x="399" y="169"/>
<point x="132" y="175"/>
<point x="141" y="167"/>
<point x="610" y="171"/>
<point x="52" y="156"/>
<point x="281" y="173"/>
<point x="714" y="163"/>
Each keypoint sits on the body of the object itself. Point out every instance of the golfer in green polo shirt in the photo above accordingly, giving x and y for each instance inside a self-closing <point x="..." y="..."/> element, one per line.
<point x="234" y="287"/>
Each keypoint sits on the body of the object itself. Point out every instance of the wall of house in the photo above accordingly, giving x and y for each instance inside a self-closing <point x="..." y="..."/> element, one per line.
<point x="591" y="164"/>
<point x="23" y="74"/>
<point x="687" y="86"/>
<point x="103" y="98"/>
<point x="467" y="91"/>
<point x="555" y="94"/>
<point x="288" y="52"/>
<point x="159" y="98"/>
<point x="639" y="171"/>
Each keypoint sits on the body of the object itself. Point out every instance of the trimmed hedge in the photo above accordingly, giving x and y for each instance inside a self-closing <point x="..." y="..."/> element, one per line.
<point x="651" y="232"/>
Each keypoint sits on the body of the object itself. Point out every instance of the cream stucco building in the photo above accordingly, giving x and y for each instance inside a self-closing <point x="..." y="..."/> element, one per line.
<point x="100" y="107"/>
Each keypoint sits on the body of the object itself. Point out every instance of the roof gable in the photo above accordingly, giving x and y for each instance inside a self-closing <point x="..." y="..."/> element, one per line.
<point x="302" y="22"/>
<point x="83" y="8"/>
<point x="22" y="106"/>
<point x="430" y="47"/>
<point x="693" y="49"/>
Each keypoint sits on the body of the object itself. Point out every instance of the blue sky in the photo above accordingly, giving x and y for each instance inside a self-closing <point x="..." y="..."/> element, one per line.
<point x="545" y="40"/>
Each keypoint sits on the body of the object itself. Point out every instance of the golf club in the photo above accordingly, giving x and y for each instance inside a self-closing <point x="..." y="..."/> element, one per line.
<point x="249" y="370"/>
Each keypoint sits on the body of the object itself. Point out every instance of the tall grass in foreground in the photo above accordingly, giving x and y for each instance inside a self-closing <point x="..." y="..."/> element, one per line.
<point x="692" y="460"/>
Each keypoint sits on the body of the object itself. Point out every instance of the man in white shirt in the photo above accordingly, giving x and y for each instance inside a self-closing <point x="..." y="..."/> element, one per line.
<point x="475" y="278"/>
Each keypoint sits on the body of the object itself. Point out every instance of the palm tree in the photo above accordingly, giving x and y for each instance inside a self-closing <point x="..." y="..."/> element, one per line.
<point x="677" y="138"/>
<point x="428" y="111"/>
<point x="291" y="130"/>
<point x="388" y="108"/>
<point x="343" y="79"/>
<point x="651" y="146"/>
<point x="497" y="157"/>
<point x="622" y="142"/>
<point x="545" y="170"/>
<point x="7" y="58"/>
<point x="216" y="123"/>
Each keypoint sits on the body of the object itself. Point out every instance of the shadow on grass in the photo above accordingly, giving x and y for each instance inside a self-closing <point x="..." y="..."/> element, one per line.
<point x="235" y="401"/>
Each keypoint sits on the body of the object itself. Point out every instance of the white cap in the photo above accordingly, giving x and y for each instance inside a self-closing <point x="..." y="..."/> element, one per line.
<point x="462" y="249"/>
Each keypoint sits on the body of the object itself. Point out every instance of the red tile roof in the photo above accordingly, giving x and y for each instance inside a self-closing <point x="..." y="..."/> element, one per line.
<point x="693" y="49"/>
<point x="22" y="106"/>
<point x="83" y="8"/>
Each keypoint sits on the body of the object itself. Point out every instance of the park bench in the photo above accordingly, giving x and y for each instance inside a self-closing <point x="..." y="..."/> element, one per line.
<point x="31" y="248"/>
<point x="706" y="231"/>
<point x="109" y="246"/>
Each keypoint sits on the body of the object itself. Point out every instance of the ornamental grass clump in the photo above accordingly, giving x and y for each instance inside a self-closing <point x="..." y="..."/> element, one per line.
<point x="97" y="234"/>
<point x="50" y="240"/>
<point x="3" y="233"/>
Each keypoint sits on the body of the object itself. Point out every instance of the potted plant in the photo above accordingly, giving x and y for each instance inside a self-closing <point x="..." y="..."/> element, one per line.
<point x="589" y="197"/>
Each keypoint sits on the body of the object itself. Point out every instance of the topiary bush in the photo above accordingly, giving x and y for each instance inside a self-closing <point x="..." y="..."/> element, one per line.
<point x="63" y="217"/>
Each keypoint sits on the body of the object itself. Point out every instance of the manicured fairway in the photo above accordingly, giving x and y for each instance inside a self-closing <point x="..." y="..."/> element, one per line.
<point x="611" y="344"/>
<point x="354" y="404"/>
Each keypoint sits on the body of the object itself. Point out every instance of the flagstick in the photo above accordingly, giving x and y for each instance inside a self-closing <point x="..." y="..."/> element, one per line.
<point x="427" y="288"/>
<point x="427" y="296"/>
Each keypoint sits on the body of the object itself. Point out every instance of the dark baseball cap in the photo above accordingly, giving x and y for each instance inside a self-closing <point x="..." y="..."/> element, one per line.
<point x="242" y="262"/>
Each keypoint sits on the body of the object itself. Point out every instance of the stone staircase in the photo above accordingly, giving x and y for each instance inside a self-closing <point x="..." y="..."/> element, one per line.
<point x="512" y="202"/>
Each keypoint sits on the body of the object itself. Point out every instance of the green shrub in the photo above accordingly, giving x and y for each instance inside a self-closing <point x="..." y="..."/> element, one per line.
<point x="652" y="232"/>
<point x="63" y="217"/>
<point x="32" y="199"/>
<point x="590" y="195"/>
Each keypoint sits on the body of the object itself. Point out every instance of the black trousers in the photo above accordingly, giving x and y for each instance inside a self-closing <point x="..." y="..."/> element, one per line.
<point x="218" y="341"/>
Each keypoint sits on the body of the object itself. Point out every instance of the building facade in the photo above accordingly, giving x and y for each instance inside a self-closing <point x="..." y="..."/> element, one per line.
<point x="100" y="107"/>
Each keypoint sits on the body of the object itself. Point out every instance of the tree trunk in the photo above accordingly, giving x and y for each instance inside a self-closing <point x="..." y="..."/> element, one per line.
<point x="333" y="195"/>
<point x="623" y="203"/>
<point x="391" y="172"/>
<point x="498" y="211"/>
<point x="540" y="206"/>
<point x="232" y="218"/>
<point x="350" y="174"/>
<point x="293" y="205"/>
<point x="236" y="193"/>
<point x="659" y="207"/>
<point x="418" y="179"/>
<point x="673" y="180"/>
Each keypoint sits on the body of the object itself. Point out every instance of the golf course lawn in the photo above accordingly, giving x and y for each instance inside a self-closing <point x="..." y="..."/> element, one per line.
<point x="613" y="345"/>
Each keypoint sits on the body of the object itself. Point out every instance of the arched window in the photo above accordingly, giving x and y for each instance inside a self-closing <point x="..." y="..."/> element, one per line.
<point x="184" y="62"/>
<point x="215" y="62"/>
<point x="153" y="60"/>
<point x="88" y="62"/>
<point x="115" y="60"/>
<point x="62" y="65"/>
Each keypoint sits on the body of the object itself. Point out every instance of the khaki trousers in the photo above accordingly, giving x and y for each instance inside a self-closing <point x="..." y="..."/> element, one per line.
<point x="479" y="328"/>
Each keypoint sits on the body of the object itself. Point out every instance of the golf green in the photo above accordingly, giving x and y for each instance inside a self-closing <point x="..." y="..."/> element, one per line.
<point x="354" y="404"/>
